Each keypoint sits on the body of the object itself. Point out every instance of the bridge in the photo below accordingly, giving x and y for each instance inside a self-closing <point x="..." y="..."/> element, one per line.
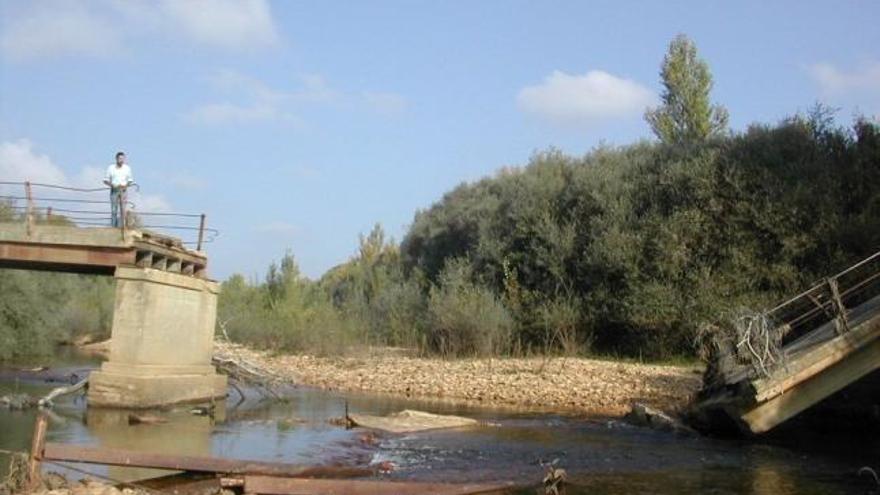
<point x="165" y="304"/>
<point x="779" y="363"/>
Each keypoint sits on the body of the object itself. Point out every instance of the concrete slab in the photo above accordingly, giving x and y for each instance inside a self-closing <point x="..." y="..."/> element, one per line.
<point x="137" y="391"/>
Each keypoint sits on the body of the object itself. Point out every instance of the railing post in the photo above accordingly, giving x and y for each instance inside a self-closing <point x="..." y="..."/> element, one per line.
<point x="29" y="216"/>
<point x="123" y="214"/>
<point x="201" y="232"/>
<point x="841" y="323"/>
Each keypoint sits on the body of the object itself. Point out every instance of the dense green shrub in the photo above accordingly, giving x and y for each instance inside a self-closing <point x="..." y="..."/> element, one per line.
<point x="39" y="310"/>
<point x="650" y="241"/>
<point x="465" y="318"/>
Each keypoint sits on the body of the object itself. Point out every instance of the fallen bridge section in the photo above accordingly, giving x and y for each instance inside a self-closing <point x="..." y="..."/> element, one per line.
<point x="827" y="338"/>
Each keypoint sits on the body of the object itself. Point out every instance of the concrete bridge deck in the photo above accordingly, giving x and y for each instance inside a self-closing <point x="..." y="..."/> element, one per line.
<point x="96" y="250"/>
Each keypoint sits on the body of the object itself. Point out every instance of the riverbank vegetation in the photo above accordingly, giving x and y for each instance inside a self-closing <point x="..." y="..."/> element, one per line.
<point x="39" y="310"/>
<point x="625" y="251"/>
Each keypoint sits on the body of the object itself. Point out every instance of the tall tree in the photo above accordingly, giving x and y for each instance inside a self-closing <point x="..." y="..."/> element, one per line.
<point x="686" y="116"/>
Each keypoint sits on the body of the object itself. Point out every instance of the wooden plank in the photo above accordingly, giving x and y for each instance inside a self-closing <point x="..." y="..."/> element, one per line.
<point x="815" y="360"/>
<point x="268" y="485"/>
<point x="130" y="458"/>
<point x="782" y="407"/>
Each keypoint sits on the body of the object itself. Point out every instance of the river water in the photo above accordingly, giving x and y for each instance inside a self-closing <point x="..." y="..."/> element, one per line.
<point x="601" y="455"/>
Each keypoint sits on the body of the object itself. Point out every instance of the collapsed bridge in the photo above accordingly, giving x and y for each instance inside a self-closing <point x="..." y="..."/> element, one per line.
<point x="792" y="357"/>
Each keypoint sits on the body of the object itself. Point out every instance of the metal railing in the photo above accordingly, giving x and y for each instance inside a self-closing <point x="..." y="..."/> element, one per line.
<point x="830" y="300"/>
<point x="64" y="205"/>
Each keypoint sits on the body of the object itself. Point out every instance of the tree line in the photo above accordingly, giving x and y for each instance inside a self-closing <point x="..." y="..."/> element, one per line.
<point x="627" y="250"/>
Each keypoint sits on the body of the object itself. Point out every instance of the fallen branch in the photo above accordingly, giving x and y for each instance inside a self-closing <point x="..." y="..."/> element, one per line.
<point x="60" y="391"/>
<point x="230" y="360"/>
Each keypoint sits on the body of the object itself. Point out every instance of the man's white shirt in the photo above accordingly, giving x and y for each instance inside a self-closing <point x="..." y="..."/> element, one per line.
<point x="119" y="176"/>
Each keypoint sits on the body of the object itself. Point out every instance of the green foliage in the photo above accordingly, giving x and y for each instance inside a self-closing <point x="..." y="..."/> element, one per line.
<point x="39" y="310"/>
<point x="686" y="115"/>
<point x="465" y="318"/>
<point x="285" y="312"/>
<point x="629" y="250"/>
<point x="625" y="251"/>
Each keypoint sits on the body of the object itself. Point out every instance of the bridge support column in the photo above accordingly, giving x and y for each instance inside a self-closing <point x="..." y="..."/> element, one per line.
<point x="162" y="342"/>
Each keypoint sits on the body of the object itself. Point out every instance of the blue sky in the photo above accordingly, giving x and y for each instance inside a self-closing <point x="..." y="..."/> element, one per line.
<point x="298" y="125"/>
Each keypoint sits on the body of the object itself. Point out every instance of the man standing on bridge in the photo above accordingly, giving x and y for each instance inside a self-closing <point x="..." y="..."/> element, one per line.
<point x="118" y="178"/>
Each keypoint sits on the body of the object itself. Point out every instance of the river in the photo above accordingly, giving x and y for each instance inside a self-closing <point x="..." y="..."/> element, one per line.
<point x="601" y="455"/>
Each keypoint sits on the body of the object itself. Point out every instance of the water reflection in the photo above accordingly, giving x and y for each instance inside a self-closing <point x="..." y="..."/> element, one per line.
<point x="182" y="433"/>
<point x="601" y="456"/>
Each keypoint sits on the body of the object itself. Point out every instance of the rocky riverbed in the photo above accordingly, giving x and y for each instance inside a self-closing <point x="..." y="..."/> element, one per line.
<point x="575" y="385"/>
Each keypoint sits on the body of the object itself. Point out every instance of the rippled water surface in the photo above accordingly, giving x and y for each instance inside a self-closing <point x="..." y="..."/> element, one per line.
<point x="600" y="455"/>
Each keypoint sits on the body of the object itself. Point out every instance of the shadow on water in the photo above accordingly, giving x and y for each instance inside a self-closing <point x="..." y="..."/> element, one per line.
<point x="601" y="456"/>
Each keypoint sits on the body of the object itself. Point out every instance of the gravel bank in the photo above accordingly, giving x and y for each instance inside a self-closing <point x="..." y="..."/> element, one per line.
<point x="573" y="385"/>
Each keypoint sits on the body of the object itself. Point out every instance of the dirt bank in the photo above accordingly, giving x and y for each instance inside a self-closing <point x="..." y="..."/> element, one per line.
<point x="575" y="385"/>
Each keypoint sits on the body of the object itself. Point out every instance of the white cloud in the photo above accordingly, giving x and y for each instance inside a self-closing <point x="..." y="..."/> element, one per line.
<point x="833" y="80"/>
<point x="231" y="113"/>
<point x="245" y="99"/>
<point x="19" y="162"/>
<point x="150" y="203"/>
<point x="314" y="90"/>
<point x="585" y="99"/>
<point x="232" y="81"/>
<point x="52" y="28"/>
<point x="226" y="23"/>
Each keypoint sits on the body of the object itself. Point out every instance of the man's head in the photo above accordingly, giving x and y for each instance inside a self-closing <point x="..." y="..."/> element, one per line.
<point x="120" y="158"/>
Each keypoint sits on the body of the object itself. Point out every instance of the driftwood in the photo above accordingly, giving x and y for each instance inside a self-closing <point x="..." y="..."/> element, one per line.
<point x="60" y="391"/>
<point x="231" y="360"/>
<point x="25" y="401"/>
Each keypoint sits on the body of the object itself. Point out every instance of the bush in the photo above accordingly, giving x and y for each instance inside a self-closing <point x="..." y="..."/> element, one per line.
<point x="464" y="318"/>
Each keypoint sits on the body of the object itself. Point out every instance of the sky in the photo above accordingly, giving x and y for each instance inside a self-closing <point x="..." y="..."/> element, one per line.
<point x="299" y="125"/>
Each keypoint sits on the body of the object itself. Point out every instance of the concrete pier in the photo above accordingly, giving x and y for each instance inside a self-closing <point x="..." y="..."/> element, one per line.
<point x="162" y="342"/>
<point x="164" y="313"/>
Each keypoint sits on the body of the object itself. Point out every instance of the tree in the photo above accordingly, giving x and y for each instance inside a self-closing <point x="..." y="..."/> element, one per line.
<point x="686" y="116"/>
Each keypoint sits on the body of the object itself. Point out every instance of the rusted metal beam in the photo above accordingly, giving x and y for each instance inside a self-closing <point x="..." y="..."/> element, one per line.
<point x="57" y="257"/>
<point x="41" y="425"/>
<point x="268" y="485"/>
<point x="130" y="458"/>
